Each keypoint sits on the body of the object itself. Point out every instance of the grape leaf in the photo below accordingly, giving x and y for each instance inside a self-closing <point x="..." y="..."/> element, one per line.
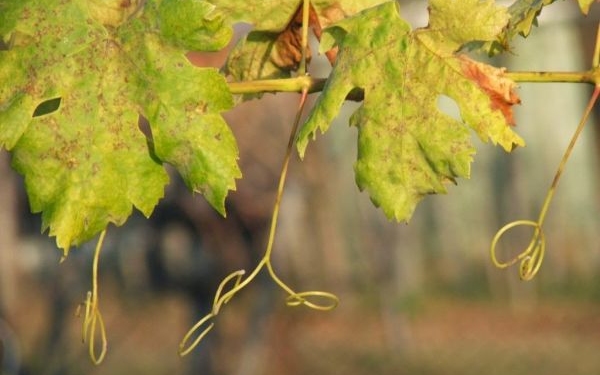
<point x="88" y="163"/>
<point x="407" y="147"/>
<point x="267" y="52"/>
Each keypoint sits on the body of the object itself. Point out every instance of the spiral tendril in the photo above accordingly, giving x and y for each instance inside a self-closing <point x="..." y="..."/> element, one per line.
<point x="298" y="299"/>
<point x="531" y="257"/>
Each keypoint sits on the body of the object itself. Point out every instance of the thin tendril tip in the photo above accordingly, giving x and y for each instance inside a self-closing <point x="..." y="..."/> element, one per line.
<point x="184" y="348"/>
<point x="92" y="319"/>
<point x="531" y="257"/>
<point x="297" y="299"/>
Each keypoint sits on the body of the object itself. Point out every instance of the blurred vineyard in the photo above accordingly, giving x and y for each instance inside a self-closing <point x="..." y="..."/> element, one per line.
<point x="421" y="298"/>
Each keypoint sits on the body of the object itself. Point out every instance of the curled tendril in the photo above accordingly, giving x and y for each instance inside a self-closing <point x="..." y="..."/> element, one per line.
<point x="294" y="298"/>
<point x="184" y="348"/>
<point x="531" y="257"/>
<point x="92" y="320"/>
<point x="298" y="299"/>
<point x="220" y="300"/>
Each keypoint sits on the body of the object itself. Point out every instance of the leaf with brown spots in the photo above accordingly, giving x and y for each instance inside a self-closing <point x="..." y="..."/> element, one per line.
<point x="407" y="146"/>
<point x="74" y="80"/>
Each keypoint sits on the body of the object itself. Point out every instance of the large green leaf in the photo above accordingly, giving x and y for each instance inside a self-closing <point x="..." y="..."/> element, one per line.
<point x="88" y="163"/>
<point x="408" y="147"/>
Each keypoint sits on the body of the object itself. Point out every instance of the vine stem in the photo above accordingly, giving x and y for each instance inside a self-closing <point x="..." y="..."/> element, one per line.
<point x="590" y="76"/>
<point x="295" y="84"/>
<point x="266" y="260"/>
<point x="312" y="84"/>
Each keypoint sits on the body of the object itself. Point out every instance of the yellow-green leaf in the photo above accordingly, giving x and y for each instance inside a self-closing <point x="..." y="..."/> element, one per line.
<point x="408" y="147"/>
<point x="88" y="163"/>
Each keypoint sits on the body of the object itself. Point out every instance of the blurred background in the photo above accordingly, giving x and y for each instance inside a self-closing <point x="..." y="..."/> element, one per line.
<point x="421" y="298"/>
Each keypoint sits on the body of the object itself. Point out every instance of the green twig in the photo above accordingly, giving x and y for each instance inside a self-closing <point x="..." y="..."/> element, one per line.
<point x="298" y="84"/>
<point x="590" y="76"/>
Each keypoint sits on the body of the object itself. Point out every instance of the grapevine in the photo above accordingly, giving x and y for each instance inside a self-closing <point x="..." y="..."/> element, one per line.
<point x="75" y="77"/>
